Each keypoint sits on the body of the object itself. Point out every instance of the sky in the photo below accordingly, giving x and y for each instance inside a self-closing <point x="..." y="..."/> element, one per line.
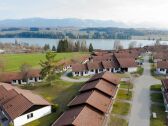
<point x="148" y="13"/>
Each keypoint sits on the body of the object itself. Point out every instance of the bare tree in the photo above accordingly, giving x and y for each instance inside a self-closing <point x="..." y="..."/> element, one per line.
<point x="117" y="45"/>
<point x="25" y="69"/>
<point x="132" y="44"/>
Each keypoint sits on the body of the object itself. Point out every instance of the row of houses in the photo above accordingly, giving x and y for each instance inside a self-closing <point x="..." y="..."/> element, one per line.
<point x="18" y="106"/>
<point x="112" y="62"/>
<point x="14" y="78"/>
<point x="92" y="104"/>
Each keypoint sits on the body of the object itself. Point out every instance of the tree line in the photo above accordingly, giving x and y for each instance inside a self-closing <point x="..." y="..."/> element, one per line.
<point x="66" y="45"/>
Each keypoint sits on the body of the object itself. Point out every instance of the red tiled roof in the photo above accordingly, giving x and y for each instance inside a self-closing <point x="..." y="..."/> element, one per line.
<point x="8" y="77"/>
<point x="79" y="67"/>
<point x="94" y="65"/>
<point x="91" y="98"/>
<point x="165" y="83"/>
<point x="16" y="101"/>
<point x="80" y="116"/>
<point x="106" y="76"/>
<point x="162" y="64"/>
<point x="127" y="62"/>
<point x="101" y="85"/>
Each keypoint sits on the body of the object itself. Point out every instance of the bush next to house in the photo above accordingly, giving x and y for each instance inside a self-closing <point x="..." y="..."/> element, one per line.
<point x="55" y="107"/>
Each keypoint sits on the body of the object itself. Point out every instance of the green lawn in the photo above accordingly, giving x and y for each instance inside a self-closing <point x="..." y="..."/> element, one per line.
<point x="121" y="108"/>
<point x="157" y="97"/>
<point x="114" y="121"/>
<point x="60" y="93"/>
<point x="156" y="87"/>
<point x="161" y="116"/>
<point x="124" y="84"/>
<point x="123" y="95"/>
<point x="14" y="61"/>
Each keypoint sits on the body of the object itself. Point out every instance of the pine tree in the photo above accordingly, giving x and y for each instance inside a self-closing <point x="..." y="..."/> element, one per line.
<point x="53" y="48"/>
<point x="91" y="47"/>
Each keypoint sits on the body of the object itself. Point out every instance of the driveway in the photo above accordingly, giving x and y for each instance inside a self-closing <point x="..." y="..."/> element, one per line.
<point x="64" y="77"/>
<point x="140" y="112"/>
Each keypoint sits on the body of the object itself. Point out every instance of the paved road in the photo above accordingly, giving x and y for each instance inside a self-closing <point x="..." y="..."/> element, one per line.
<point x="140" y="112"/>
<point x="66" y="78"/>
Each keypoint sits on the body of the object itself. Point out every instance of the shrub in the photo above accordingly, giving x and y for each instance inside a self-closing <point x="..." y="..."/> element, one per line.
<point x="55" y="107"/>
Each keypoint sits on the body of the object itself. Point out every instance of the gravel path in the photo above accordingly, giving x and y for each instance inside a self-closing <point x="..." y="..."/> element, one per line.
<point x="140" y="112"/>
<point x="66" y="78"/>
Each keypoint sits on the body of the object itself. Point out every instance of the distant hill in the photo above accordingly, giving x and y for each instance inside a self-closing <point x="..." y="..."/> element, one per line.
<point x="67" y="22"/>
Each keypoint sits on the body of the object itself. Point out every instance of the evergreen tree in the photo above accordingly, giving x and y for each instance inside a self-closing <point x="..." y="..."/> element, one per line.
<point x="91" y="47"/>
<point x="54" y="48"/>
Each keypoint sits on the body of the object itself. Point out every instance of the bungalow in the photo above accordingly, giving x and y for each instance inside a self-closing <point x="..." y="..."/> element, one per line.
<point x="165" y="93"/>
<point x="19" y="106"/>
<point x="20" y="77"/>
<point x="162" y="67"/>
<point x="92" y="104"/>
<point x="127" y="64"/>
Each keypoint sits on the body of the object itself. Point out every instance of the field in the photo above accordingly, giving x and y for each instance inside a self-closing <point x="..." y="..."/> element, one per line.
<point x="14" y="61"/>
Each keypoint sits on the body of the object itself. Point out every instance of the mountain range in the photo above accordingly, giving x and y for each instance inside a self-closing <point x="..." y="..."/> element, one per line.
<point x="66" y="22"/>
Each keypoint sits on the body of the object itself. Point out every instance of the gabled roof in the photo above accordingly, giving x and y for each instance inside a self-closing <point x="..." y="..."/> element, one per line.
<point x="162" y="64"/>
<point x="8" y="77"/>
<point x="80" y="116"/>
<point x="15" y="101"/>
<point x="94" y="65"/>
<point x="17" y="106"/>
<point x="127" y="62"/>
<point x="110" y="64"/>
<point x="165" y="83"/>
<point x="106" y="76"/>
<point x="91" y="98"/>
<point x="101" y="85"/>
<point x="79" y="67"/>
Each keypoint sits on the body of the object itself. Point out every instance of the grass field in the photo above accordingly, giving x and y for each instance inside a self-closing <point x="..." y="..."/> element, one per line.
<point x="161" y="116"/>
<point x="123" y="95"/>
<point x="125" y="85"/>
<point x="157" y="97"/>
<point x="14" y="61"/>
<point x="121" y="108"/>
<point x="60" y="93"/>
<point x="156" y="87"/>
<point x="114" y="121"/>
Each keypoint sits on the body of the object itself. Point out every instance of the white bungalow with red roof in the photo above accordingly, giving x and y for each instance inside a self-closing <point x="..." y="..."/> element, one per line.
<point x="162" y="67"/>
<point x="20" y="107"/>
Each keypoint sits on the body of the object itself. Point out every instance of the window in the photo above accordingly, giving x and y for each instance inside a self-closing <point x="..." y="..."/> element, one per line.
<point x="92" y="70"/>
<point x="24" y="80"/>
<point x="31" y="78"/>
<point x="14" y="81"/>
<point x="29" y="115"/>
<point x="100" y="70"/>
<point x="161" y="69"/>
<point x="86" y="72"/>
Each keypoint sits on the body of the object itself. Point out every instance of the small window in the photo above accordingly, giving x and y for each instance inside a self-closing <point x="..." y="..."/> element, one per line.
<point x="29" y="115"/>
<point x="24" y="80"/>
<point x="161" y="69"/>
<point x="92" y="70"/>
<point x="14" y="81"/>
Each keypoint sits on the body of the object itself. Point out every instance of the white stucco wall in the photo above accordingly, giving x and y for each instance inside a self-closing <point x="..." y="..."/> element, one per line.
<point x="29" y="81"/>
<point x="132" y="69"/>
<point x="160" y="72"/>
<point x="19" y="121"/>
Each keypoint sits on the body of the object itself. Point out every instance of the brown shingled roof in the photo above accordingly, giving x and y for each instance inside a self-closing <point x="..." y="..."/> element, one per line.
<point x="80" y="116"/>
<point x="8" y="77"/>
<point x="106" y="76"/>
<point x="91" y="98"/>
<point x="127" y="62"/>
<point x="162" y="64"/>
<point x="79" y="67"/>
<point x="17" y="106"/>
<point x="165" y="83"/>
<point x="15" y="101"/>
<point x="101" y="85"/>
<point x="94" y="65"/>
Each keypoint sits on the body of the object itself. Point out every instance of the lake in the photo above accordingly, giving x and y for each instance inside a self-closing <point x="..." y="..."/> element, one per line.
<point x="97" y="43"/>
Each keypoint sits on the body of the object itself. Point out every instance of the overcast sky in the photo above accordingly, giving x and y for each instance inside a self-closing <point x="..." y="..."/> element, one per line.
<point x="148" y="12"/>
